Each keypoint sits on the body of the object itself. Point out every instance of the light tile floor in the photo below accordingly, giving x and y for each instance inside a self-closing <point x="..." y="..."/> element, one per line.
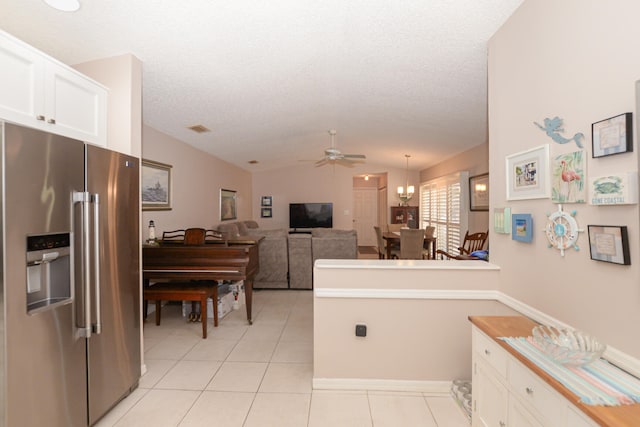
<point x="257" y="375"/>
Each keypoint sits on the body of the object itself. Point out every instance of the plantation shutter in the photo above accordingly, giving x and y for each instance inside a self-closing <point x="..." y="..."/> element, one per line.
<point x="443" y="205"/>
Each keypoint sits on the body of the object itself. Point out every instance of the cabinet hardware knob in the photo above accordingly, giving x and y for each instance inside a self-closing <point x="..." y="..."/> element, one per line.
<point x="529" y="390"/>
<point x="502" y="424"/>
<point x="52" y="121"/>
<point x="40" y="117"/>
<point x="487" y="352"/>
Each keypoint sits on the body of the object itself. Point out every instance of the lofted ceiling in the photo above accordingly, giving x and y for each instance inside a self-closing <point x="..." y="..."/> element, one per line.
<point x="271" y="78"/>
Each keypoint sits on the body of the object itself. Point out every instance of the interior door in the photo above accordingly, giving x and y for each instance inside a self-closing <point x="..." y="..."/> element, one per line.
<point x="365" y="215"/>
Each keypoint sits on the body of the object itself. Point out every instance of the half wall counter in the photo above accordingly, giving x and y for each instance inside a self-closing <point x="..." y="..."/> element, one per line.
<point x="415" y="313"/>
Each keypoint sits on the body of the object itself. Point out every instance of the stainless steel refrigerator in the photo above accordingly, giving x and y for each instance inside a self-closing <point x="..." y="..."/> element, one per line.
<point x="70" y="304"/>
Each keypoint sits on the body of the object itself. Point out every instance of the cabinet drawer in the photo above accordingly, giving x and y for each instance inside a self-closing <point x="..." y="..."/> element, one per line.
<point x="519" y="416"/>
<point x="536" y="393"/>
<point x="489" y="351"/>
<point x="577" y="419"/>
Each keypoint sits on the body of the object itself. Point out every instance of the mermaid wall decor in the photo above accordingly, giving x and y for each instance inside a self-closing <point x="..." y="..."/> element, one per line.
<point x="553" y="127"/>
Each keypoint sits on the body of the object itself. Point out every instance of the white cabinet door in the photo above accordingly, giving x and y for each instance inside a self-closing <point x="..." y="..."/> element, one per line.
<point x="21" y="84"/>
<point x="489" y="399"/>
<point x="37" y="91"/>
<point x="75" y="106"/>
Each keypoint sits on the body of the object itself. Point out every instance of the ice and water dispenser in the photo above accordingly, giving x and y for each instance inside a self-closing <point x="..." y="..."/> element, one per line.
<point x="48" y="270"/>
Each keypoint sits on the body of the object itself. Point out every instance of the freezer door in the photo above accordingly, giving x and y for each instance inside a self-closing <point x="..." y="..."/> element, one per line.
<point x="114" y="347"/>
<point x="45" y="370"/>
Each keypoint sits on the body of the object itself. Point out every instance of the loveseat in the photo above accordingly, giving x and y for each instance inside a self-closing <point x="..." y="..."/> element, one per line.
<point x="286" y="260"/>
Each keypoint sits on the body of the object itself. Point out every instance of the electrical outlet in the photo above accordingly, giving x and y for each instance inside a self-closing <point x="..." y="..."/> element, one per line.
<point x="361" y="330"/>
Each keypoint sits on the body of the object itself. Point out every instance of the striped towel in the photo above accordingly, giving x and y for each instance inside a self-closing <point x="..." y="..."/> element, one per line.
<point x="599" y="383"/>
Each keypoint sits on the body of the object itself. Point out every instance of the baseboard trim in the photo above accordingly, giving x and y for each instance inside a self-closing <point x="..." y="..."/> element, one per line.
<point x="615" y="356"/>
<point x="406" y="293"/>
<point x="431" y="387"/>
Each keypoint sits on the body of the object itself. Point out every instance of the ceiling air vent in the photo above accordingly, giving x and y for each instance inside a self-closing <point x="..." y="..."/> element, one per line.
<point x="199" y="129"/>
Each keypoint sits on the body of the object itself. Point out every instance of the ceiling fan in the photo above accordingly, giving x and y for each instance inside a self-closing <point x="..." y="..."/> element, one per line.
<point x="333" y="156"/>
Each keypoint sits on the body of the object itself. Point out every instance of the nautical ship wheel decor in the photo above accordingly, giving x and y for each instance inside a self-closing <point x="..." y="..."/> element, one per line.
<point x="562" y="230"/>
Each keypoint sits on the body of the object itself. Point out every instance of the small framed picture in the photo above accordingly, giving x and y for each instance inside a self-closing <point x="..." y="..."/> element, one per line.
<point x="479" y="192"/>
<point x="266" y="201"/>
<point x="609" y="243"/>
<point x="612" y="136"/>
<point x="265" y="213"/>
<point x="502" y="220"/>
<point x="156" y="186"/>
<point x="528" y="174"/>
<point x="227" y="205"/>
<point x="522" y="227"/>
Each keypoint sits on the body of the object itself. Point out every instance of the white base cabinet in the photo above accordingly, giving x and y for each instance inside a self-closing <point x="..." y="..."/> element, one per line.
<point x="40" y="92"/>
<point x="507" y="394"/>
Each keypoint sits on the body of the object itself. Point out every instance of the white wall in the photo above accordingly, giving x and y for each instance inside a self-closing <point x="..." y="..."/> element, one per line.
<point x="476" y="162"/>
<point x="197" y="178"/>
<point x="307" y="183"/>
<point x="122" y="75"/>
<point x="412" y="333"/>
<point x="577" y="60"/>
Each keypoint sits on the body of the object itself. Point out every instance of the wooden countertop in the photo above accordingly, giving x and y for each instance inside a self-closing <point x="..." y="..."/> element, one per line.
<point x="518" y="326"/>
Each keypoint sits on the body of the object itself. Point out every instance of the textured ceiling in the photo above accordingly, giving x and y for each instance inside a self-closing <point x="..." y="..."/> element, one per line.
<point x="271" y="78"/>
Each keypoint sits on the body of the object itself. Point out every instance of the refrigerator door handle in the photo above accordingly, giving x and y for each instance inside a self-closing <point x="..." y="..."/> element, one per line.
<point x="84" y="198"/>
<point x="97" y="327"/>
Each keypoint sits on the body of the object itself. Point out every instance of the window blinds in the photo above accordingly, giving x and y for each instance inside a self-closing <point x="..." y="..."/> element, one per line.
<point x="443" y="205"/>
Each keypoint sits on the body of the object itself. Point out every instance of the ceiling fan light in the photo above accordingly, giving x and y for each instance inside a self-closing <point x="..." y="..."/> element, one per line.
<point x="64" y="5"/>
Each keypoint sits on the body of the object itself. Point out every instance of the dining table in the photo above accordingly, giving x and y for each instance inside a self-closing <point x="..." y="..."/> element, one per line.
<point x="393" y="239"/>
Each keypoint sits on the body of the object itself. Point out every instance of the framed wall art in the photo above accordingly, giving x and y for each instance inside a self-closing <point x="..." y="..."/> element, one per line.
<point x="612" y="136"/>
<point x="522" y="227"/>
<point x="568" y="178"/>
<point x="156" y="186"/>
<point x="227" y="205"/>
<point x="528" y="174"/>
<point x="479" y="192"/>
<point x="609" y="244"/>
<point x="620" y="188"/>
<point x="266" y="213"/>
<point x="266" y="201"/>
<point x="502" y="220"/>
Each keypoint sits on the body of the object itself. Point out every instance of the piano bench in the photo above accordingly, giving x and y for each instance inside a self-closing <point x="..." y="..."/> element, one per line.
<point x="184" y="291"/>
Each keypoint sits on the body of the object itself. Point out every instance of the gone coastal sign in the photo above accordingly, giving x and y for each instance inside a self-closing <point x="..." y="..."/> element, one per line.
<point x="619" y="189"/>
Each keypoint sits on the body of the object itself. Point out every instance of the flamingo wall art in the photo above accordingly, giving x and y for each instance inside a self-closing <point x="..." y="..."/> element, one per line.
<point x="568" y="184"/>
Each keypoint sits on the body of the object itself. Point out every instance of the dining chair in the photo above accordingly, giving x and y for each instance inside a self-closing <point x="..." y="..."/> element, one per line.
<point x="472" y="242"/>
<point x="384" y="244"/>
<point x="396" y="227"/>
<point x="429" y="232"/>
<point x="411" y="243"/>
<point x="382" y="249"/>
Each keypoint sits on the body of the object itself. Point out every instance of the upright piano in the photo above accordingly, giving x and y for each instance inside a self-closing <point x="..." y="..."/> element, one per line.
<point x="223" y="260"/>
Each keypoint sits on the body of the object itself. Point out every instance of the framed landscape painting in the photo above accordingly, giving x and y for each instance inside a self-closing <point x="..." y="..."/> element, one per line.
<point x="156" y="186"/>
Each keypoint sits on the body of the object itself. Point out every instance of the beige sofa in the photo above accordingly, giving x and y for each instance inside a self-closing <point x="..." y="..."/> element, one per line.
<point x="286" y="260"/>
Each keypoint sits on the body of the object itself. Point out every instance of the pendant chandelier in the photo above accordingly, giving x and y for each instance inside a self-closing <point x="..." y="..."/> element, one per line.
<point x="405" y="196"/>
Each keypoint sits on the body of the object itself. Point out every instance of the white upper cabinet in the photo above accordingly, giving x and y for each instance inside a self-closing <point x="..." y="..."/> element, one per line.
<point x="40" y="92"/>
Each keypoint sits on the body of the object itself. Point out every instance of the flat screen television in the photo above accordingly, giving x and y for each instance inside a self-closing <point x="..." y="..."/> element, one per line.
<point x="310" y="215"/>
